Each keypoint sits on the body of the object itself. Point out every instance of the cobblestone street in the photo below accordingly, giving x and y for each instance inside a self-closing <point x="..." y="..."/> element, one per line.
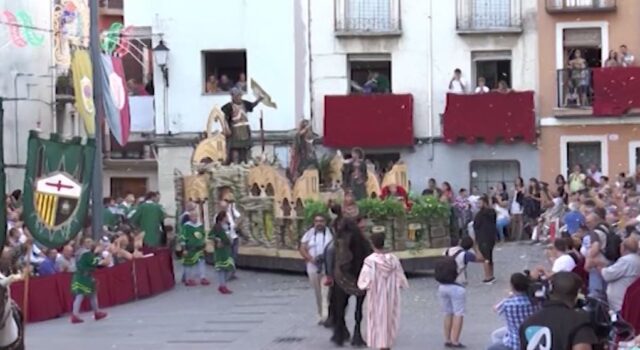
<point x="273" y="311"/>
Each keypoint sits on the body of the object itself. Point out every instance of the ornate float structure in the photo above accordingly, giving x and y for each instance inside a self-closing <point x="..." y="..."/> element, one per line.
<point x="273" y="207"/>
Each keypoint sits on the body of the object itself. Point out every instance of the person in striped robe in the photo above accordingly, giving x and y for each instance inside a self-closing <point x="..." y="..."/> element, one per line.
<point x="382" y="277"/>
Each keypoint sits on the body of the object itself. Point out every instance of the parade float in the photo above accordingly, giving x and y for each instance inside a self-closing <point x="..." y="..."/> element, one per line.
<point x="277" y="211"/>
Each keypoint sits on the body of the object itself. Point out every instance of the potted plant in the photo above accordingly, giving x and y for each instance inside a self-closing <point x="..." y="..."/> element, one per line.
<point x="429" y="220"/>
<point x="386" y="215"/>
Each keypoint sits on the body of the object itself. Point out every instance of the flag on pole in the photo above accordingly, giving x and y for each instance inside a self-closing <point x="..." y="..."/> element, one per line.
<point x="116" y="101"/>
<point x="83" y="86"/>
<point x="56" y="188"/>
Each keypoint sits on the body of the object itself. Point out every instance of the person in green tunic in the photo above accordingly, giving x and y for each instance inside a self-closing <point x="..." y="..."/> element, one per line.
<point x="192" y="239"/>
<point x="126" y="206"/>
<point x="110" y="214"/>
<point x="83" y="284"/>
<point x="224" y="263"/>
<point x="149" y="217"/>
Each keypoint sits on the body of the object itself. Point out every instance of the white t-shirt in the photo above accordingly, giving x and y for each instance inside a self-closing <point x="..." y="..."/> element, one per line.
<point x="482" y="89"/>
<point x="458" y="86"/>
<point x="501" y="212"/>
<point x="563" y="263"/>
<point x="516" y="208"/>
<point x="317" y="242"/>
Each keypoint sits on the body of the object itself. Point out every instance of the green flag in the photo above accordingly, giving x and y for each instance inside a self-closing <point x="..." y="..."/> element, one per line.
<point x="57" y="187"/>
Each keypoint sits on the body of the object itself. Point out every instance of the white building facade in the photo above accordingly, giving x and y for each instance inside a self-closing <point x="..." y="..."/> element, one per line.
<point x="25" y="73"/>
<point x="417" y="44"/>
<point x="263" y="40"/>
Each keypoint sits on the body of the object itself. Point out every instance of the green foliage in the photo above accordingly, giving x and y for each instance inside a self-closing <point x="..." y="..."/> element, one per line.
<point x="429" y="208"/>
<point x="313" y="208"/>
<point x="378" y="209"/>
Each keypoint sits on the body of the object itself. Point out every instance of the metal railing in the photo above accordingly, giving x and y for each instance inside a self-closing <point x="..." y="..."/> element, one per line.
<point x="367" y="17"/>
<point x="489" y="15"/>
<point x="580" y="5"/>
<point x="112" y="4"/>
<point x="575" y="88"/>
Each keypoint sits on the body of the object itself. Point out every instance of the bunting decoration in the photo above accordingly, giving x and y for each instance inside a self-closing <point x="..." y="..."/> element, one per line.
<point x="83" y="87"/>
<point x="116" y="102"/>
<point x="57" y="187"/>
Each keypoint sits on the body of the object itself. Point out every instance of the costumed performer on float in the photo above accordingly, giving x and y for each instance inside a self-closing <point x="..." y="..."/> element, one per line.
<point x="238" y="131"/>
<point x="355" y="174"/>
<point x="193" y="241"/>
<point x="396" y="192"/>
<point x="83" y="284"/>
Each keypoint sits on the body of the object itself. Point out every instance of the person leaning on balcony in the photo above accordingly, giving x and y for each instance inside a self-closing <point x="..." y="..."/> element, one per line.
<point x="626" y="59"/>
<point x="457" y="85"/>
<point x="482" y="88"/>
<point x="613" y="60"/>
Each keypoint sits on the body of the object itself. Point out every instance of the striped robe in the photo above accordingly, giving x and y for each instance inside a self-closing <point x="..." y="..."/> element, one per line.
<point x="382" y="277"/>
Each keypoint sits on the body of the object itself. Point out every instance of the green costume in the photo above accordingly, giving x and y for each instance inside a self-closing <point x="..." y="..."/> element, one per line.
<point x="223" y="259"/>
<point x="110" y="218"/>
<point x="193" y="238"/>
<point x="149" y="217"/>
<point x="83" y="281"/>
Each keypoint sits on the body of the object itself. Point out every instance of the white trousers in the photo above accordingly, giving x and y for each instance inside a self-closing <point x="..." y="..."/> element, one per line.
<point x="320" y="290"/>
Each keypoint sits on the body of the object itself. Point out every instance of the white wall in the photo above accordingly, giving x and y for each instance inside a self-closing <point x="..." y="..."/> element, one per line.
<point x="421" y="45"/>
<point x="26" y="60"/>
<point x="265" y="29"/>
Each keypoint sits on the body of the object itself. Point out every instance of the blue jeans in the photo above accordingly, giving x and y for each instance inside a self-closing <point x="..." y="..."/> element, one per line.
<point x="501" y="224"/>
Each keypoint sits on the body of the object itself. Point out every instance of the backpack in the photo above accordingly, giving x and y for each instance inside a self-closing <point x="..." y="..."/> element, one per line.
<point x="447" y="268"/>
<point x="612" y="248"/>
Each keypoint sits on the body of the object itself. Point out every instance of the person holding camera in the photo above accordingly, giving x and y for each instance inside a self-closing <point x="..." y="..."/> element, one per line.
<point x="312" y="248"/>
<point x="558" y="325"/>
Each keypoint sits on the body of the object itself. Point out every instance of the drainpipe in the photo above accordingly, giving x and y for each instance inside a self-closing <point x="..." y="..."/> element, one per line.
<point x="431" y="126"/>
<point x="310" y="53"/>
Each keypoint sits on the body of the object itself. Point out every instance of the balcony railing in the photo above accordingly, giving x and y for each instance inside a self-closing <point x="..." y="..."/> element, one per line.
<point x="490" y="117"/>
<point x="488" y="16"/>
<point x="563" y="6"/>
<point x="369" y="121"/>
<point x="367" y="17"/>
<point x="112" y="4"/>
<point x="575" y="88"/>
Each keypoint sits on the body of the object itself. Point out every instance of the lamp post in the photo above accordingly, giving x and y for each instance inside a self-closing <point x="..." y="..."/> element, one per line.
<point x="161" y="55"/>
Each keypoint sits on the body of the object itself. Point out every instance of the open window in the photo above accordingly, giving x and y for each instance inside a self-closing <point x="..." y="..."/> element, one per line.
<point x="370" y="73"/>
<point x="224" y="70"/>
<point x="493" y="66"/>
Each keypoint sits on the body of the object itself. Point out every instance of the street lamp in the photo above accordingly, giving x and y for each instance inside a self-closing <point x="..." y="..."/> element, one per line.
<point x="161" y="55"/>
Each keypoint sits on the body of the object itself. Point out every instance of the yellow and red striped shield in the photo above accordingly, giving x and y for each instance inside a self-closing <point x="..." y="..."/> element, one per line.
<point x="46" y="207"/>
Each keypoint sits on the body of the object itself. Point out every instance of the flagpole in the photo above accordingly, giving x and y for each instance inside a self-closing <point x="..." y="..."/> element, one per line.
<point x="96" y="183"/>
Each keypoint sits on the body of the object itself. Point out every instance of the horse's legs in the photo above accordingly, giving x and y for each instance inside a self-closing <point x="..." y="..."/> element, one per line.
<point x="329" y="322"/>
<point x="357" y="335"/>
<point x="340" y="331"/>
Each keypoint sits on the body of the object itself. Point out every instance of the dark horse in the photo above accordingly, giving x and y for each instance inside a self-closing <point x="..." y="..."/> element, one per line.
<point x="351" y="248"/>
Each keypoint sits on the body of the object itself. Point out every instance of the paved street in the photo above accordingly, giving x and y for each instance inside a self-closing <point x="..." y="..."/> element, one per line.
<point x="272" y="311"/>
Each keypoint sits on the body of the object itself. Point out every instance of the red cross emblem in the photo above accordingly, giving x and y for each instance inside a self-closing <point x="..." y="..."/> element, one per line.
<point x="58" y="185"/>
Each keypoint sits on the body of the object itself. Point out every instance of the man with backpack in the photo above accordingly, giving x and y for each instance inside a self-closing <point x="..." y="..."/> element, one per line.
<point x="451" y="274"/>
<point x="603" y="249"/>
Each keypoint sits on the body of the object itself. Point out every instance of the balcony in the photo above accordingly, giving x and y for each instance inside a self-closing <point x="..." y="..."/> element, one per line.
<point x="490" y="117"/>
<point x="368" y="121"/>
<point x="112" y="7"/>
<point x="597" y="92"/>
<point x="354" y="18"/>
<point x="572" y="6"/>
<point x="575" y="92"/>
<point x="489" y="16"/>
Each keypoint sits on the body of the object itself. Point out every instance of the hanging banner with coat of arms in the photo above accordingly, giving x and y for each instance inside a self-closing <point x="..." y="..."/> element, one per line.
<point x="57" y="188"/>
<point x="83" y="87"/>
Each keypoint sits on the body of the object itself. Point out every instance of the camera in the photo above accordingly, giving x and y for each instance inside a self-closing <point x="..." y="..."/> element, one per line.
<point x="319" y="262"/>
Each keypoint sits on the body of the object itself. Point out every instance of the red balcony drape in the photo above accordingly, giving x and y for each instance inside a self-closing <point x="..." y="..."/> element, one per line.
<point x="368" y="121"/>
<point x="490" y="117"/>
<point x="615" y="90"/>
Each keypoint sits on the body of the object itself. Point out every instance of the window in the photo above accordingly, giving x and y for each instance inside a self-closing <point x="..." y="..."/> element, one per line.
<point x="491" y="14"/>
<point x="583" y="154"/>
<point x="581" y="50"/>
<point x="488" y="173"/>
<point x="224" y="70"/>
<point x="120" y="186"/>
<point x="377" y="17"/>
<point x="493" y="66"/>
<point x="370" y="74"/>
<point x="634" y="157"/>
